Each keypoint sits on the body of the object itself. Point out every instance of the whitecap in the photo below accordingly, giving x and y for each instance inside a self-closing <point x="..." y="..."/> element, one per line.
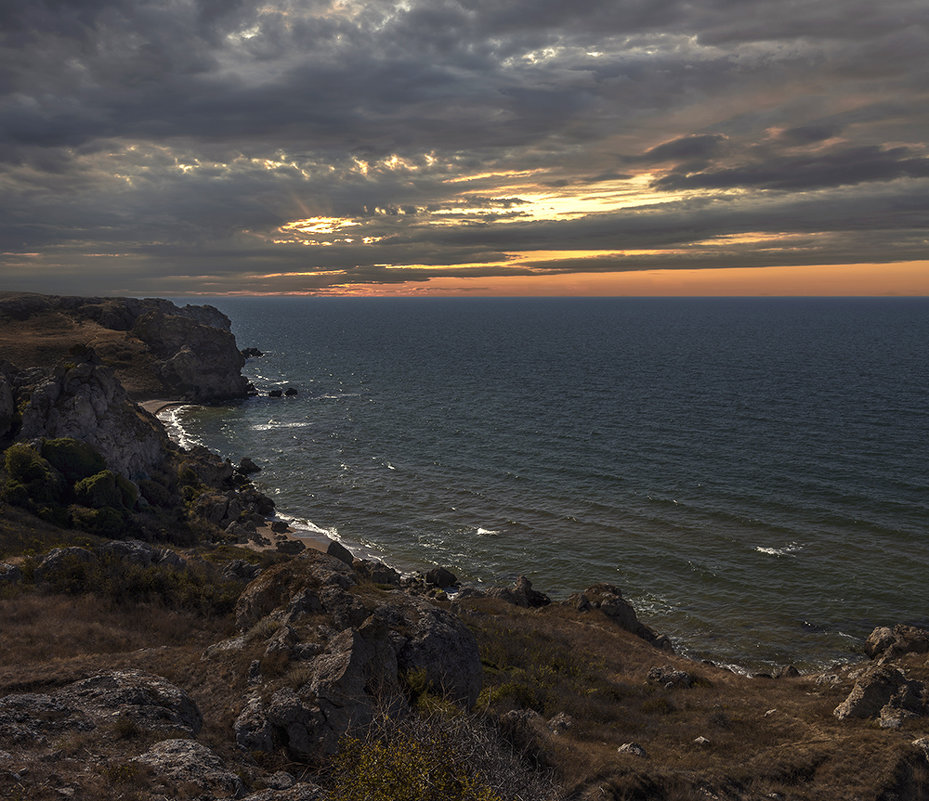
<point x="787" y="550"/>
<point x="171" y="419"/>
<point x="390" y="466"/>
<point x="487" y="532"/>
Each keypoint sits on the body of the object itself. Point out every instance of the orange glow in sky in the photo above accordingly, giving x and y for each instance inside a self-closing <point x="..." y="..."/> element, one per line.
<point x="900" y="278"/>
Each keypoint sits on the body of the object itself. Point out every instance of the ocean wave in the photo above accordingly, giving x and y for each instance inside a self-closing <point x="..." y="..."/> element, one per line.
<point x="171" y="419"/>
<point x="787" y="550"/>
<point x="273" y="425"/>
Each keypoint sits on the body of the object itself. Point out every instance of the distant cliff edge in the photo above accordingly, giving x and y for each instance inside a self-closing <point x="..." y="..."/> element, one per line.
<point x="156" y="348"/>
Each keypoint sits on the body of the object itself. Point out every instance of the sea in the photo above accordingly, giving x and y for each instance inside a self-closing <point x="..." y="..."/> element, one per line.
<point x="753" y="474"/>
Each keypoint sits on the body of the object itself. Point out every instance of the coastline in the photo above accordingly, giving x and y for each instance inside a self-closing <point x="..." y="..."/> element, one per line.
<point x="270" y="536"/>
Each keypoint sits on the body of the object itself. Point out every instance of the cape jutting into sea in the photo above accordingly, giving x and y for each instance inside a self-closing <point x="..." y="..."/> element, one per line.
<point x="752" y="473"/>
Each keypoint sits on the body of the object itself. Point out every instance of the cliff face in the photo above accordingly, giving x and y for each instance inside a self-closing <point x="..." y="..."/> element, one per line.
<point x="157" y="349"/>
<point x="85" y="401"/>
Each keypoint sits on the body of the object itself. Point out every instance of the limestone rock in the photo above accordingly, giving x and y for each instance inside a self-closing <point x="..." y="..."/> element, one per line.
<point x="609" y="600"/>
<point x="632" y="748"/>
<point x="59" y="559"/>
<point x="445" y="649"/>
<point x="190" y="762"/>
<point x="150" y="701"/>
<point x="199" y="360"/>
<point x="669" y="677"/>
<point x="879" y="687"/>
<point x="301" y="791"/>
<point x="278" y="584"/>
<point x="888" y="643"/>
<point x="253" y="730"/>
<point x="87" y="402"/>
<point x="376" y="571"/>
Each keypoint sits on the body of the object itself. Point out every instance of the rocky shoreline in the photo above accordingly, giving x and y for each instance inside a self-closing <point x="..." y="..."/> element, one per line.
<point x="199" y="649"/>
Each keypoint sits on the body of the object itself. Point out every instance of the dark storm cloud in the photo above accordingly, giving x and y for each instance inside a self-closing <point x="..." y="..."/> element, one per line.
<point x="185" y="134"/>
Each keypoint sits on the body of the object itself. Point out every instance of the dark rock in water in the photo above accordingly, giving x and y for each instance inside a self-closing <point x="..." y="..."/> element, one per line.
<point x="290" y="392"/>
<point x="440" y="577"/>
<point x="251" y="353"/>
<point x="788" y="672"/>
<point x="193" y="764"/>
<point x="247" y="466"/>
<point x="880" y="687"/>
<point x="279" y="527"/>
<point x="521" y="594"/>
<point x="275" y="393"/>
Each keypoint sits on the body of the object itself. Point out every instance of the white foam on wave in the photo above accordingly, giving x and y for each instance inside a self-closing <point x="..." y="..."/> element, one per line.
<point x="787" y="550"/>
<point x="171" y="419"/>
<point x="273" y="425"/>
<point x="390" y="466"/>
<point x="487" y="532"/>
<point x="299" y="524"/>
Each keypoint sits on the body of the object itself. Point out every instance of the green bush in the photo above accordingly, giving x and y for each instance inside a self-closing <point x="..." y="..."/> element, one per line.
<point x="74" y="459"/>
<point x="26" y="467"/>
<point x="107" y="522"/>
<point x="106" y="488"/>
<point x="196" y="588"/>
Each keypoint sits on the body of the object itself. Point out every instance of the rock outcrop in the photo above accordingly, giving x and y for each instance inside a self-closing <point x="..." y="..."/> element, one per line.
<point x="85" y="401"/>
<point x="884" y="692"/>
<point x="142" y="700"/>
<point x="193" y="764"/>
<point x="360" y="649"/>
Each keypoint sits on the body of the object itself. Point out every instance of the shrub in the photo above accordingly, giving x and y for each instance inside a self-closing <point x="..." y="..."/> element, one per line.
<point x="26" y="469"/>
<point x="73" y="458"/>
<point x="106" y="488"/>
<point x="416" y="758"/>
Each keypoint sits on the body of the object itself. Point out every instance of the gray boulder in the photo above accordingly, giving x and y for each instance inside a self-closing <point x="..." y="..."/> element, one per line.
<point x="10" y="574"/>
<point x="190" y="763"/>
<point x="888" y="643"/>
<point x="669" y="677"/>
<point x="879" y="687"/>
<point x="521" y="594"/>
<point x="58" y="560"/>
<point x="441" y="646"/>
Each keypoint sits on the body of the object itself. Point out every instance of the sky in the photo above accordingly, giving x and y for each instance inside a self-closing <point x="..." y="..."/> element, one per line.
<point x="471" y="147"/>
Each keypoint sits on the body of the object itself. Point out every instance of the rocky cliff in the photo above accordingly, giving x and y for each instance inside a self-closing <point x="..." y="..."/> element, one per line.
<point x="156" y="348"/>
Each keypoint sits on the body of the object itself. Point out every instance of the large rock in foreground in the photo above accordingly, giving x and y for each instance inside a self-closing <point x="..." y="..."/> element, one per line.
<point x="354" y="646"/>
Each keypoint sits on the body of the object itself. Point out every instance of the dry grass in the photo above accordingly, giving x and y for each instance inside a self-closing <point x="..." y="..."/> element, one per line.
<point x="557" y="660"/>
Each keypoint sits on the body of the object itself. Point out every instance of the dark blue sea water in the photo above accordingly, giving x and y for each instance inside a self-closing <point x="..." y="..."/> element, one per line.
<point x="752" y="473"/>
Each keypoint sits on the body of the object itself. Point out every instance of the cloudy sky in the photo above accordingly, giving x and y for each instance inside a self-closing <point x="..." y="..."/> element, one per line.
<point x="464" y="146"/>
